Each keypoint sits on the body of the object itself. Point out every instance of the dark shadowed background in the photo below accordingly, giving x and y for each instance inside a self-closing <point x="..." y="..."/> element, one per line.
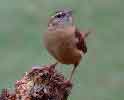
<point x="100" y="75"/>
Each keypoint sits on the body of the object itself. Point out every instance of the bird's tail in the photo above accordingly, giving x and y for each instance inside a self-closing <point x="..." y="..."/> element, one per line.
<point x="89" y="32"/>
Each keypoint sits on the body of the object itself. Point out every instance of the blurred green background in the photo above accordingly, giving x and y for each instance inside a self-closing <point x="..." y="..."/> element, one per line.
<point x="100" y="75"/>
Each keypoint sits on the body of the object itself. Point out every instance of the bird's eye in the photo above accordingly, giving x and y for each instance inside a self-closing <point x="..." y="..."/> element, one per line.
<point x="61" y="15"/>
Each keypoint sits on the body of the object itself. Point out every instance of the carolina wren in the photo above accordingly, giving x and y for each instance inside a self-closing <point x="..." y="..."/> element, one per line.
<point x="63" y="40"/>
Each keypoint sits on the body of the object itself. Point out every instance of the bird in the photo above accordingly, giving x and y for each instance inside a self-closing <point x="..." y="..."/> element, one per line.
<point x="63" y="39"/>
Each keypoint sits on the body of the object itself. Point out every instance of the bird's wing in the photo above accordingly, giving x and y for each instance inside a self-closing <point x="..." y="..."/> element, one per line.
<point x="81" y="44"/>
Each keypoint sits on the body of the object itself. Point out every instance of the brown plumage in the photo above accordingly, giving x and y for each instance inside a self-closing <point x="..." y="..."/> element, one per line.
<point x="64" y="41"/>
<point x="81" y="44"/>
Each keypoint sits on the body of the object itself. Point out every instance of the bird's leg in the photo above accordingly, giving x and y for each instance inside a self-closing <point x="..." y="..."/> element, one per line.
<point x="54" y="65"/>
<point x="72" y="72"/>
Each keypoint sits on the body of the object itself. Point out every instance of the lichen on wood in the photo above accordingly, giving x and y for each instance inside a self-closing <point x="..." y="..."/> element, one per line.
<point x="41" y="83"/>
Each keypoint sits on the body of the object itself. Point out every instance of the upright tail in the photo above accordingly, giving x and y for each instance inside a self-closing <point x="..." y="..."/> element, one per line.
<point x="86" y="34"/>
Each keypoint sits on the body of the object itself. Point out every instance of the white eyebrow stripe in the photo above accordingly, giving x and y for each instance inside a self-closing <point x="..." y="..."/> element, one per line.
<point x="58" y="14"/>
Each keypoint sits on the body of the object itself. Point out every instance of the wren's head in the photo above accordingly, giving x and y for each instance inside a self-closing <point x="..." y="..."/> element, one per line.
<point x="61" y="17"/>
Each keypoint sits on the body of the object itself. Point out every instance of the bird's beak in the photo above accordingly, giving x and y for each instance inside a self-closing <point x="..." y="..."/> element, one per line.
<point x="69" y="12"/>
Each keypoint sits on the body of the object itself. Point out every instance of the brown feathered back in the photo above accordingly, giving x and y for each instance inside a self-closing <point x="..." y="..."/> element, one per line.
<point x="81" y="44"/>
